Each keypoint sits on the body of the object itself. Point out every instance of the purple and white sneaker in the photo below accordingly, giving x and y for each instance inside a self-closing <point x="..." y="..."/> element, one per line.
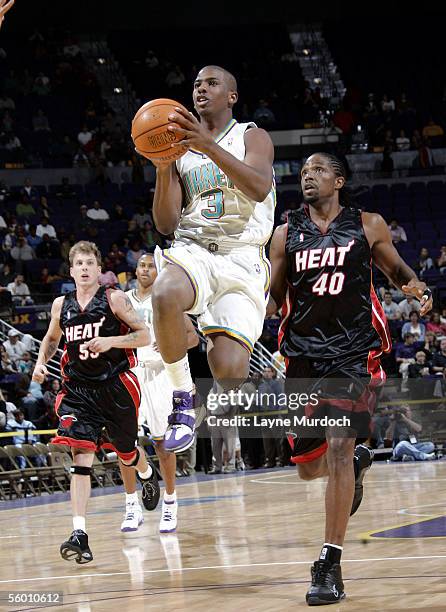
<point x="168" y="522"/>
<point x="180" y="433"/>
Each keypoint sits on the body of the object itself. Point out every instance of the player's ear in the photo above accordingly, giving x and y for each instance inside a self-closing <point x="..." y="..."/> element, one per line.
<point x="232" y="98"/>
<point x="339" y="182"/>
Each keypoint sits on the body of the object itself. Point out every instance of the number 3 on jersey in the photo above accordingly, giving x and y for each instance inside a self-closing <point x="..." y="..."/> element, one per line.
<point x="331" y="283"/>
<point x="215" y="204"/>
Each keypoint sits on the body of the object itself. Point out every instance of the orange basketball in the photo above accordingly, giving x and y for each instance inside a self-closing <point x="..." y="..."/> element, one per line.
<point x="150" y="133"/>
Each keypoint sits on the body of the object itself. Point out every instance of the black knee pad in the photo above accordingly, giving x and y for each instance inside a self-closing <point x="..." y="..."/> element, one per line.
<point x="81" y="470"/>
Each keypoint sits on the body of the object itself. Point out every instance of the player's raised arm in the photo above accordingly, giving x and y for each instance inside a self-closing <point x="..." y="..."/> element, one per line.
<point x="50" y="342"/>
<point x="278" y="269"/>
<point x="253" y="176"/>
<point x="388" y="260"/>
<point x="123" y="309"/>
<point x="168" y="197"/>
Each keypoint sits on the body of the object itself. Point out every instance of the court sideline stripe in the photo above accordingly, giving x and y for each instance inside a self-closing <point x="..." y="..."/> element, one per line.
<point x="218" y="567"/>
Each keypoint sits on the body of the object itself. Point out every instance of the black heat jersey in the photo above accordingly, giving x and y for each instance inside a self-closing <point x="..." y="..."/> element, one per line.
<point x="77" y="363"/>
<point x="331" y="310"/>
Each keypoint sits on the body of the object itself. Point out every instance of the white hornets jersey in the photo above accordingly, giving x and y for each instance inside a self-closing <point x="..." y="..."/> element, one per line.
<point x="215" y="209"/>
<point x="145" y="310"/>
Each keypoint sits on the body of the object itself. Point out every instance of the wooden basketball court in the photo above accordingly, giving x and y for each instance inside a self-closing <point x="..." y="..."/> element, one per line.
<point x="243" y="543"/>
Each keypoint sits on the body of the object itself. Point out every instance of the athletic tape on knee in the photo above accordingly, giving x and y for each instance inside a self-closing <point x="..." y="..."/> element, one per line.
<point x="81" y="470"/>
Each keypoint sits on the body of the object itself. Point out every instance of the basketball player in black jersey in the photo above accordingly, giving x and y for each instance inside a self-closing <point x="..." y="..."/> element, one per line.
<point x="333" y="332"/>
<point x="101" y="329"/>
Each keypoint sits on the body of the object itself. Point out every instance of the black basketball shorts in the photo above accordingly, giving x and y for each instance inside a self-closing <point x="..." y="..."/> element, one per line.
<point x="86" y="411"/>
<point x="342" y="390"/>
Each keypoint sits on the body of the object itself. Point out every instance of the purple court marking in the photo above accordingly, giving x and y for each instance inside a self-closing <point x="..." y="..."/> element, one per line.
<point x="57" y="498"/>
<point x="430" y="528"/>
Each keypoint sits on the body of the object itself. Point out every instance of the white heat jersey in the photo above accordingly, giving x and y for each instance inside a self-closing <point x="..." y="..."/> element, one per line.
<point x="215" y="209"/>
<point x="145" y="310"/>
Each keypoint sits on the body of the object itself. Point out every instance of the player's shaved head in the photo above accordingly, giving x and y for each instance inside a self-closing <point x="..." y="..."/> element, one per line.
<point x="228" y="77"/>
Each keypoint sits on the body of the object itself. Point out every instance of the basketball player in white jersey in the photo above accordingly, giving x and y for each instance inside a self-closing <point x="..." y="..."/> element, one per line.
<point x="219" y="200"/>
<point x="156" y="405"/>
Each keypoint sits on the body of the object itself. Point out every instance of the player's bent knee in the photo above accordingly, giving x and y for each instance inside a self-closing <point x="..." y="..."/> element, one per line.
<point x="340" y="450"/>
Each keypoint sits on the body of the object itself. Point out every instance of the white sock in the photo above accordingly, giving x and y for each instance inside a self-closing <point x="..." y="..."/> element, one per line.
<point x="147" y="474"/>
<point x="170" y="497"/>
<point x="179" y="375"/>
<point x="79" y="522"/>
<point x="131" y="498"/>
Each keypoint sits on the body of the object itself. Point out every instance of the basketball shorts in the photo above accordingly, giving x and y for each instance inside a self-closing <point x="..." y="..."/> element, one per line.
<point x="88" y="415"/>
<point x="231" y="289"/>
<point x="156" y="398"/>
<point x="344" y="391"/>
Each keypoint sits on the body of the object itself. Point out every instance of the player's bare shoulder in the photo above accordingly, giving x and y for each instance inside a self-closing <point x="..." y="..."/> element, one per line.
<point x="375" y="227"/>
<point x="258" y="137"/>
<point x="56" y="307"/>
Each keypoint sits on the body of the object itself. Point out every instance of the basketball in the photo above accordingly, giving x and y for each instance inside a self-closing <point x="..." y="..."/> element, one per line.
<point x="150" y="133"/>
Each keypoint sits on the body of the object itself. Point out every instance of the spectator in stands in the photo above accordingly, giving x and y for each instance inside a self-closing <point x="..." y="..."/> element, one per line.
<point x="439" y="360"/>
<point x="397" y="232"/>
<point x="432" y="130"/>
<point x="25" y="365"/>
<point x="130" y="282"/>
<point x="80" y="160"/>
<point x="424" y="262"/>
<point x="14" y="347"/>
<point x="24" y="208"/>
<point x="389" y="142"/>
<point x="402" y="142"/>
<point x="175" y="77"/>
<point x="108" y="278"/>
<point x="134" y="253"/>
<point x="65" y="190"/>
<point x="408" y="305"/>
<point x="436" y="325"/>
<point x="387" y="164"/>
<point x="6" y="275"/>
<point x="97" y="213"/>
<point x="19" y="423"/>
<point x="391" y="308"/>
<point x="48" y="248"/>
<point x="441" y="260"/>
<point x="416" y="140"/>
<point x="7" y="366"/>
<point x="46" y="281"/>
<point x="44" y="207"/>
<point x="116" y="256"/>
<point x="22" y="252"/>
<point x="421" y="367"/>
<point x="9" y="240"/>
<point x="118" y="213"/>
<point x="263" y="115"/>
<point x="415" y="327"/>
<point x="7" y="122"/>
<point x="430" y="345"/>
<point x="404" y="356"/>
<point x="49" y="397"/>
<point x="45" y="228"/>
<point x="6" y="103"/>
<point x="33" y="239"/>
<point x="402" y="431"/>
<point x="387" y="106"/>
<point x="141" y="216"/>
<point x="150" y="236"/>
<point x="40" y="122"/>
<point x="151" y="60"/>
<point x="41" y="85"/>
<point x="424" y="159"/>
<point x="20" y="291"/>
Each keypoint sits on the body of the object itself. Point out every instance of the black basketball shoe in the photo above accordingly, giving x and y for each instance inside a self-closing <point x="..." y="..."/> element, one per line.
<point x="326" y="584"/>
<point x="150" y="488"/>
<point x="76" y="547"/>
<point x="362" y="461"/>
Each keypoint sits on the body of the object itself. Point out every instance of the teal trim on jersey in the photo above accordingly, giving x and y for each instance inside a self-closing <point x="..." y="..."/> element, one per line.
<point x="214" y="329"/>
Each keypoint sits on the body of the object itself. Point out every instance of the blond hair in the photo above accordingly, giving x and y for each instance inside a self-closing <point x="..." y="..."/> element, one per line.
<point x="86" y="248"/>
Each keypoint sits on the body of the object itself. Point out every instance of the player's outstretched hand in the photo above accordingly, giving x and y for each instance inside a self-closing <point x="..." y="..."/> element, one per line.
<point x="420" y="290"/>
<point x="5" y="5"/>
<point x="191" y="131"/>
<point x="98" y="345"/>
<point x="39" y="374"/>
